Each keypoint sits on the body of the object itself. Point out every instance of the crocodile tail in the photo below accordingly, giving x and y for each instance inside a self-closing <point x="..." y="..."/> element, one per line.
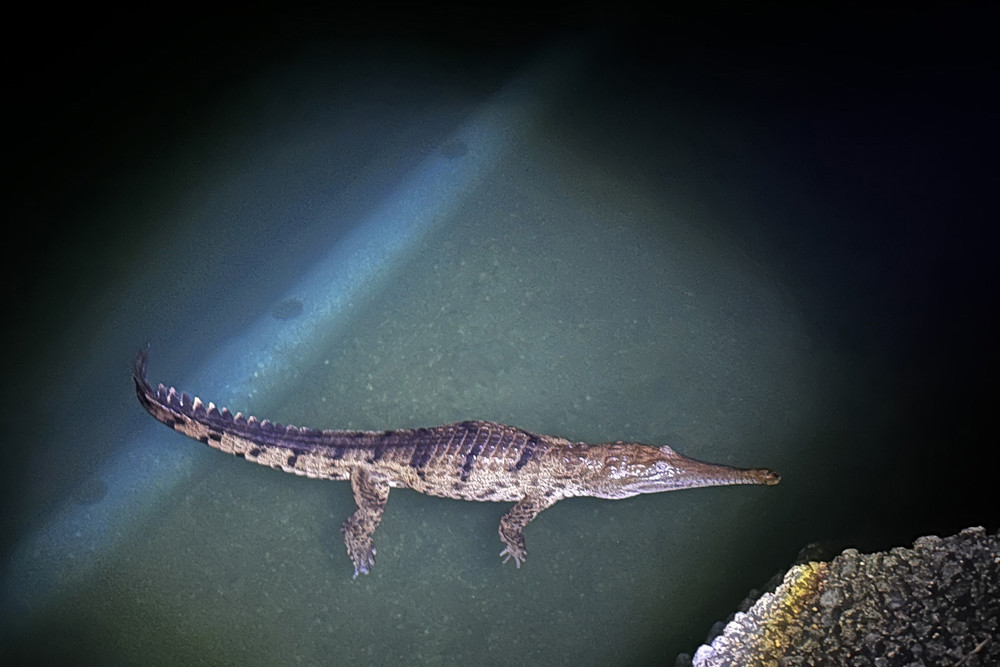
<point x="299" y="450"/>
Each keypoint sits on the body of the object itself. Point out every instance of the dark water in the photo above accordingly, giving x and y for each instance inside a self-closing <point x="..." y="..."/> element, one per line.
<point x="760" y="245"/>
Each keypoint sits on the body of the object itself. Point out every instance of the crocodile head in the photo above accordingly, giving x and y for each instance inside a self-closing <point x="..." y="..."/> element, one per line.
<point x="628" y="469"/>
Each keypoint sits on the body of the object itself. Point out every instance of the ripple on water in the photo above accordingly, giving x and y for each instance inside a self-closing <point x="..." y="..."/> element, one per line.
<point x="454" y="149"/>
<point x="287" y="309"/>
<point x="90" y="492"/>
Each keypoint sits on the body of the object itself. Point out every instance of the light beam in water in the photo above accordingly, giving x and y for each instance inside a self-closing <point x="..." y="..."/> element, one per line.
<point x="60" y="555"/>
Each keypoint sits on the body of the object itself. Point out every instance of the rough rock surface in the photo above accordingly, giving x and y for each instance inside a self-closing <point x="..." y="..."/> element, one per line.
<point x="935" y="604"/>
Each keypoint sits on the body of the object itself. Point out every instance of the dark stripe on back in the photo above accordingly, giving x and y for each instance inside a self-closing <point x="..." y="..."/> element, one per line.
<point x="470" y="458"/>
<point x="526" y="454"/>
<point x="422" y="452"/>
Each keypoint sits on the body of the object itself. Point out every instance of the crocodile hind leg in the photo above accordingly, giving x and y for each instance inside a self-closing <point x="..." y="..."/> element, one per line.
<point x="371" y="491"/>
<point x="513" y="522"/>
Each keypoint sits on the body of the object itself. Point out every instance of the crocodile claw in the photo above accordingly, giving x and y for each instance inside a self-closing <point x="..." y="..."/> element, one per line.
<point x="507" y="554"/>
<point x="363" y="559"/>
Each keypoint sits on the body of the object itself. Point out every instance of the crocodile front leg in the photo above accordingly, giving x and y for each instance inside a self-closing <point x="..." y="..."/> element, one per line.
<point x="371" y="492"/>
<point x="513" y="522"/>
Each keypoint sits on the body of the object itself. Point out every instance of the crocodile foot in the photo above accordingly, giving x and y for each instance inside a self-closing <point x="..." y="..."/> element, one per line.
<point x="361" y="552"/>
<point x="518" y="553"/>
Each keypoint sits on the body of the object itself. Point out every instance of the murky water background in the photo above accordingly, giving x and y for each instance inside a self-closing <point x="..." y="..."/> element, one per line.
<point x="645" y="257"/>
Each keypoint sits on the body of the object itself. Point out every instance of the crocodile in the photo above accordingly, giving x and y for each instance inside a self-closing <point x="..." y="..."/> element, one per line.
<point x="470" y="460"/>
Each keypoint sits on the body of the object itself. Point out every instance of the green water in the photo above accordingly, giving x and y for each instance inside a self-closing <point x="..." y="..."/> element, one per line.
<point x="766" y="262"/>
<point x="573" y="306"/>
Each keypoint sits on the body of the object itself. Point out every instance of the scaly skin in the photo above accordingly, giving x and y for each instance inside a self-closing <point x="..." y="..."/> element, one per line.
<point x="472" y="460"/>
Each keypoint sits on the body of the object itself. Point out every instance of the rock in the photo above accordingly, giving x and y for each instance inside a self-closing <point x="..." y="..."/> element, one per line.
<point x="935" y="604"/>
